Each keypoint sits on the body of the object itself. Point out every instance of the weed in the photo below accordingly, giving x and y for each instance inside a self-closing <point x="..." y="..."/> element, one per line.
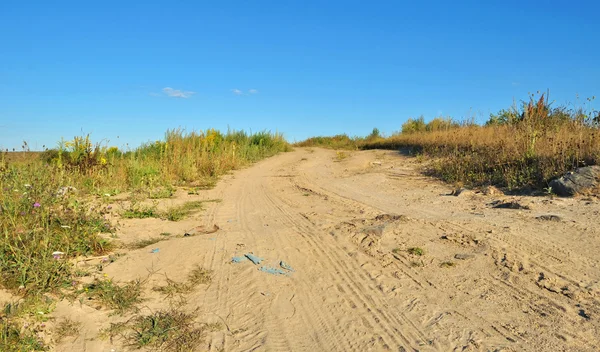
<point x="198" y="276"/>
<point x="447" y="264"/>
<point x="167" y="330"/>
<point x="121" y="298"/>
<point x="416" y="251"/>
<point x="180" y="212"/>
<point x="140" y="212"/>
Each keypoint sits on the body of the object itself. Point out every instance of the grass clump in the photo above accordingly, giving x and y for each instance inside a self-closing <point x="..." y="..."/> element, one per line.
<point x="416" y="251"/>
<point x="198" y="276"/>
<point x="121" y="298"/>
<point x="140" y="212"/>
<point x="165" y="330"/>
<point x="180" y="212"/>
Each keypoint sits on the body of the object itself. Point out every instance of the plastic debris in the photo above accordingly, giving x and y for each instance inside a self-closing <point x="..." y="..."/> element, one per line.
<point x="286" y="266"/>
<point x="238" y="259"/>
<point x="155" y="250"/>
<point x="254" y="259"/>
<point x="57" y="255"/>
<point x="272" y="271"/>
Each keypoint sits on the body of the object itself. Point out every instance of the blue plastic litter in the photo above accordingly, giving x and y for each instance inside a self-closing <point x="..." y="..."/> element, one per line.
<point x="286" y="266"/>
<point x="238" y="259"/>
<point x="273" y="271"/>
<point x="254" y="259"/>
<point x="155" y="250"/>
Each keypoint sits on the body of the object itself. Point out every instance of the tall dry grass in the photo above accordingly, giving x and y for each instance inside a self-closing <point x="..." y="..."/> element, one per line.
<point x="523" y="147"/>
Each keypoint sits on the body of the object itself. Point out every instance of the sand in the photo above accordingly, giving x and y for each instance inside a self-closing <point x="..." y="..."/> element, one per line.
<point x="488" y="279"/>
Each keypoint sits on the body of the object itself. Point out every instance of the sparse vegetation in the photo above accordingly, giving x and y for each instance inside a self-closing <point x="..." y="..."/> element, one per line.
<point x="121" y="298"/>
<point x="416" y="251"/>
<point x="167" y="330"/>
<point x="523" y="147"/>
<point x="180" y="212"/>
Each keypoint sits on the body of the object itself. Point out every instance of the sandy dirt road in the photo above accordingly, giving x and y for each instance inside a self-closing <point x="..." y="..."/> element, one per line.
<point x="488" y="279"/>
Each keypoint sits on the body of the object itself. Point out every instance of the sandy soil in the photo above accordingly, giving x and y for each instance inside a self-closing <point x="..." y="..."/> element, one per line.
<point x="490" y="279"/>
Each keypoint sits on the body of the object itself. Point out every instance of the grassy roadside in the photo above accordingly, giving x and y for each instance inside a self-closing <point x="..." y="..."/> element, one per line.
<point x="54" y="206"/>
<point x="519" y="148"/>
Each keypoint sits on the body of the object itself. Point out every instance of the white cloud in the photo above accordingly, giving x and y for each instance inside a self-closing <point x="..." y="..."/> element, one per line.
<point x="237" y="92"/>
<point x="176" y="93"/>
<point x="253" y="91"/>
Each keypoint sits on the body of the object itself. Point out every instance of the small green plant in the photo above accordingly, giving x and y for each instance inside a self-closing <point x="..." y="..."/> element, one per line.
<point x="447" y="264"/>
<point x="121" y="298"/>
<point x="416" y="251"/>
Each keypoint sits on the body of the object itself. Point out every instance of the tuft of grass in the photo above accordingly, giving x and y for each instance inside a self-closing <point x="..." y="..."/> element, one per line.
<point x="162" y="192"/>
<point x="339" y="155"/>
<point x="416" y="251"/>
<point x="198" y="276"/>
<point x="140" y="212"/>
<point x="121" y="298"/>
<point x="66" y="328"/>
<point x="165" y="330"/>
<point x="180" y="212"/>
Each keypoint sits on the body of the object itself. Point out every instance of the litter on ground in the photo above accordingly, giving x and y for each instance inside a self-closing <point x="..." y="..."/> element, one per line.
<point x="254" y="259"/>
<point x="238" y="259"/>
<point x="286" y="266"/>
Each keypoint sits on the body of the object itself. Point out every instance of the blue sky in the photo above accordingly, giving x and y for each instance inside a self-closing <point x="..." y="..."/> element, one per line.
<point x="127" y="71"/>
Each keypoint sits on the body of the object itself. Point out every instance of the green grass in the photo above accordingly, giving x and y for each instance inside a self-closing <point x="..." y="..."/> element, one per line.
<point x="121" y="298"/>
<point x="178" y="213"/>
<point x="416" y="251"/>
<point x="165" y="330"/>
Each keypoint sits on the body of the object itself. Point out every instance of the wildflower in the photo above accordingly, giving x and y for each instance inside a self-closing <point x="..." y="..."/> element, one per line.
<point x="36" y="205"/>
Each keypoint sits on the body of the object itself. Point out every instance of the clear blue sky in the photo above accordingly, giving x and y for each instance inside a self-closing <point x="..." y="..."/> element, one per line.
<point x="134" y="69"/>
